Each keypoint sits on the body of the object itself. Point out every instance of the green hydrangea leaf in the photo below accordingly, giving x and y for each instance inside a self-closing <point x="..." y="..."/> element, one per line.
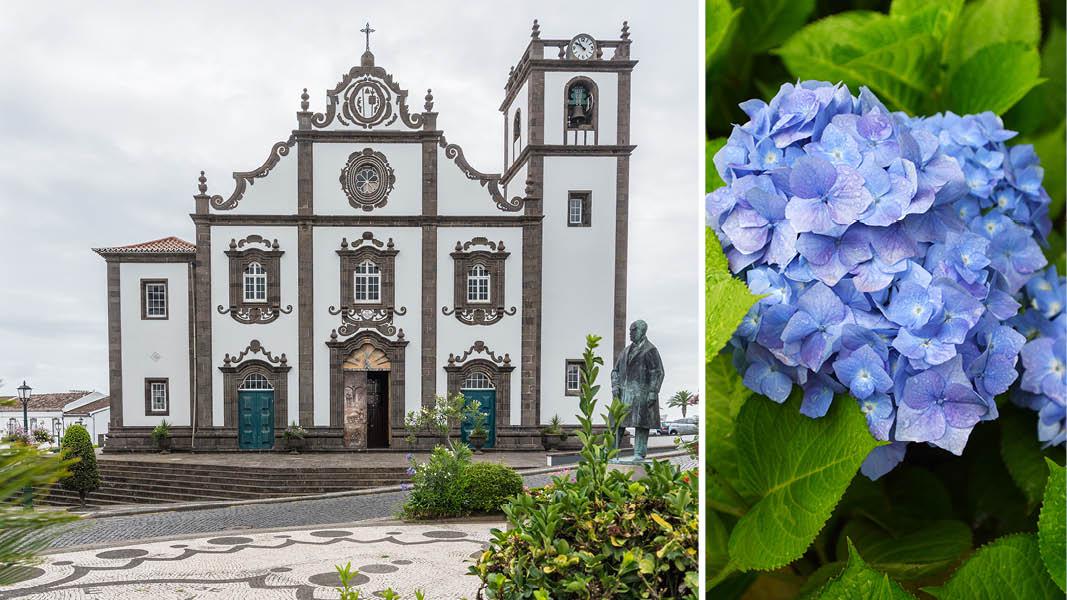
<point x="720" y="23"/>
<point x="1008" y="568"/>
<point x="907" y="551"/>
<point x="727" y="299"/>
<point x="988" y="22"/>
<point x="935" y="16"/>
<point x="1022" y="453"/>
<point x="796" y="468"/>
<point x="1050" y="526"/>
<point x="861" y="581"/>
<point x="717" y="535"/>
<point x="897" y="58"/>
<point x="1044" y="107"/>
<point x="767" y="23"/>
<point x="712" y="181"/>
<point x="726" y="397"/>
<point x="994" y="78"/>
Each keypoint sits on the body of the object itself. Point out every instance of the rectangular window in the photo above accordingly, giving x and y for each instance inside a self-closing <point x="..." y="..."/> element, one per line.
<point x="478" y="284"/>
<point x="157" y="396"/>
<point x="579" y="205"/>
<point x="153" y="298"/>
<point x="573" y="377"/>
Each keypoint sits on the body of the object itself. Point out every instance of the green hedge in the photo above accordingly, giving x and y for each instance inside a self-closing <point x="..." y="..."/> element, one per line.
<point x="84" y="476"/>
<point x="489" y="486"/>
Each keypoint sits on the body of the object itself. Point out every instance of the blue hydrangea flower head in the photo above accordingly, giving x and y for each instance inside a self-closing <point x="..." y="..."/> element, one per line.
<point x="894" y="255"/>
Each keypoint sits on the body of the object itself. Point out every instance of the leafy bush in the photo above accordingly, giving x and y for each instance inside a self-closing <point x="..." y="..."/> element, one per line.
<point x="437" y="484"/>
<point x="17" y="435"/>
<point x="294" y="431"/>
<point x="24" y="533"/>
<point x="42" y="436"/>
<point x="84" y="476"/>
<point x="602" y="535"/>
<point x="441" y="419"/>
<point x="488" y="486"/>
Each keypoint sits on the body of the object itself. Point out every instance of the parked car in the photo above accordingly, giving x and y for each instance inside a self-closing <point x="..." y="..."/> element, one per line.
<point x="686" y="426"/>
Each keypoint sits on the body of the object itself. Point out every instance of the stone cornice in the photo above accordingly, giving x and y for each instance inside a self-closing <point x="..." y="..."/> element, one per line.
<point x="358" y="221"/>
<point x="563" y="150"/>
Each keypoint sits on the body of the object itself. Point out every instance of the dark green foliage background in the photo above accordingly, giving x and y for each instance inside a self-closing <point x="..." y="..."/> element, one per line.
<point x="488" y="486"/>
<point x="84" y="476"/>
<point x="912" y="533"/>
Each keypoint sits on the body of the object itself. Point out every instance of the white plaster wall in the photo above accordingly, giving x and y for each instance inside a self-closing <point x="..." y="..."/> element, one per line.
<point x="459" y="195"/>
<point x="607" y="108"/>
<point x="408" y="294"/>
<point x="169" y="338"/>
<point x="40" y="415"/>
<point x="516" y="186"/>
<point x="228" y="335"/>
<point x="504" y="336"/>
<point x="274" y="194"/>
<point x="331" y="158"/>
<point x="578" y="278"/>
<point x="520" y="102"/>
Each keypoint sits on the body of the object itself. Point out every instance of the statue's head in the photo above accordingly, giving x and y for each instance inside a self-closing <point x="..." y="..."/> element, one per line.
<point x="637" y="331"/>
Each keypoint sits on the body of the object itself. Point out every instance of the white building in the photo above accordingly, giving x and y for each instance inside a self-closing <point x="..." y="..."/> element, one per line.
<point x="55" y="412"/>
<point x="366" y="267"/>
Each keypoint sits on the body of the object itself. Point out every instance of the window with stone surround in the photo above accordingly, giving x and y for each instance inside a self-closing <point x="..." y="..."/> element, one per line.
<point x="154" y="299"/>
<point x="157" y="396"/>
<point x="572" y="377"/>
<point x="579" y="208"/>
<point x="255" y="281"/>
<point x="368" y="273"/>
<point x="368" y="283"/>
<point x="479" y="276"/>
<point x="580" y="101"/>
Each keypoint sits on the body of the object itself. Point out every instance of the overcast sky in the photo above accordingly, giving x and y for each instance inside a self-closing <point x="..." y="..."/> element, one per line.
<point x="109" y="110"/>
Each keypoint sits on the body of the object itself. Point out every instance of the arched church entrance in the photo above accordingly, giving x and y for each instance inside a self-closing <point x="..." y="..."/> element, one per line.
<point x="365" y="374"/>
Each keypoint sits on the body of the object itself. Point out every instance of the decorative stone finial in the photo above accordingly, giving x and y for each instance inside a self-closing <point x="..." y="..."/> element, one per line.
<point x="625" y="30"/>
<point x="459" y="247"/>
<point x="304" y="104"/>
<point x="274" y="244"/>
<point x="530" y="186"/>
<point x="400" y="335"/>
<point x="390" y="244"/>
<point x="429" y="101"/>
<point x="233" y="243"/>
<point x="333" y="334"/>
<point x="344" y="243"/>
<point x="500" y="246"/>
<point x="203" y="183"/>
<point x="535" y="31"/>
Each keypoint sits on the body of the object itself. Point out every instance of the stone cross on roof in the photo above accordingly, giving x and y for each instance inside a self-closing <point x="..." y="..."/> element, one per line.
<point x="367" y="31"/>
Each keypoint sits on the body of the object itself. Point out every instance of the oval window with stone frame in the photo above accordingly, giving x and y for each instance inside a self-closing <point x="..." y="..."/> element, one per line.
<point x="367" y="179"/>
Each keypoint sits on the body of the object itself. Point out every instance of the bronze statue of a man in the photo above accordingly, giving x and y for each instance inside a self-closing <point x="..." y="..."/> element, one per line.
<point x="636" y="380"/>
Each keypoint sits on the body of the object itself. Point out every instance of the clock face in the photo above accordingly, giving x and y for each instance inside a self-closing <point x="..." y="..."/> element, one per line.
<point x="583" y="47"/>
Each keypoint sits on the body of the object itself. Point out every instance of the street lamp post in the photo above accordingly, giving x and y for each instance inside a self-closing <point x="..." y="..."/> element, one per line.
<point x="24" y="398"/>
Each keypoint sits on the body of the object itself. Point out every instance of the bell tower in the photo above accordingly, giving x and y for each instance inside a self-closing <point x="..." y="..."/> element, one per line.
<point x="566" y="114"/>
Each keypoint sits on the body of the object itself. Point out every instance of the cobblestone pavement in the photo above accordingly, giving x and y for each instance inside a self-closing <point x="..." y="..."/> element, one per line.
<point x="251" y="517"/>
<point x="265" y="566"/>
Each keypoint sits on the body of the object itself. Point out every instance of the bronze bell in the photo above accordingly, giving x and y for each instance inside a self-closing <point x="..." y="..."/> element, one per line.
<point x="578" y="115"/>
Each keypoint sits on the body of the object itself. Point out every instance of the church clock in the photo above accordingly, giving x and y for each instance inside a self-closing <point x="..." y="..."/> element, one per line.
<point x="582" y="47"/>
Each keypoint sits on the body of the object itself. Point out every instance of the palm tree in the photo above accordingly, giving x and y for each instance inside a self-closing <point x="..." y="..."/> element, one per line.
<point x="682" y="399"/>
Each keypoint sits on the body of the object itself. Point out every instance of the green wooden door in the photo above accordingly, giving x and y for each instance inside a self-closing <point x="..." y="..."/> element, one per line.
<point x="487" y="400"/>
<point x="255" y="419"/>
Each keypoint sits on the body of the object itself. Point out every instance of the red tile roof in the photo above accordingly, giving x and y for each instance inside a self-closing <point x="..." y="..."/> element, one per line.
<point x="45" y="402"/>
<point x="165" y="245"/>
<point x="87" y="409"/>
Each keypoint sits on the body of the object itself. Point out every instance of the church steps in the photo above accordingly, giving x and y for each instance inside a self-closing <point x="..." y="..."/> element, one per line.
<point x="256" y="488"/>
<point x="273" y="482"/>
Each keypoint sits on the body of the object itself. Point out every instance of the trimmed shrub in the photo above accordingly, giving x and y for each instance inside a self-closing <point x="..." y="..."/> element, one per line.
<point x="488" y="486"/>
<point x="438" y="484"/>
<point x="84" y="476"/>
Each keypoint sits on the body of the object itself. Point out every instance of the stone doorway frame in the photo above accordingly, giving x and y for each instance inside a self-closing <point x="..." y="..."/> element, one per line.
<point x="498" y="368"/>
<point x="395" y="350"/>
<point x="274" y="368"/>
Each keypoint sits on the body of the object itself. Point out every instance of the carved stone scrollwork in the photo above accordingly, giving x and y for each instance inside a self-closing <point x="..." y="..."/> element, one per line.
<point x="355" y="318"/>
<point x="368" y="97"/>
<point x="491" y="182"/>
<point x="367" y="178"/>
<point x="255" y="314"/>
<point x="254" y="347"/>
<point x="479" y="347"/>
<point x="247" y="178"/>
<point x="479" y="316"/>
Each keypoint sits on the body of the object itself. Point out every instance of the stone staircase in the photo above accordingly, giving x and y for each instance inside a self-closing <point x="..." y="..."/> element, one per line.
<point x="140" y="482"/>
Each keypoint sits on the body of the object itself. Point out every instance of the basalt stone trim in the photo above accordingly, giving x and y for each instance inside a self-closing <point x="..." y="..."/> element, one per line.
<point x="532" y="259"/>
<point x="203" y="416"/>
<point x="233" y="374"/>
<point x="494" y="260"/>
<point x="366" y="221"/>
<point x="528" y="68"/>
<point x="384" y="259"/>
<point x="394" y="349"/>
<point x="114" y="343"/>
<point x="530" y="151"/>
<point x="190" y="326"/>
<point x="594" y="124"/>
<point x="155" y="257"/>
<point x="305" y="197"/>
<point x="429" y="315"/>
<point x="622" y="217"/>
<point x="244" y="311"/>
<point x="148" y="396"/>
<point x="305" y="325"/>
<point x="535" y="122"/>
<point x="340" y="136"/>
<point x="623" y="138"/>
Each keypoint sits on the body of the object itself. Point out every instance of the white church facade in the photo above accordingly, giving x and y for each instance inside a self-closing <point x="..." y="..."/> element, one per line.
<point x="366" y="268"/>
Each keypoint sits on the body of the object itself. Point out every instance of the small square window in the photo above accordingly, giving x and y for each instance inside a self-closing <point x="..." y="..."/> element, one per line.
<point x="157" y="396"/>
<point x="573" y="378"/>
<point x="153" y="298"/>
<point x="579" y="205"/>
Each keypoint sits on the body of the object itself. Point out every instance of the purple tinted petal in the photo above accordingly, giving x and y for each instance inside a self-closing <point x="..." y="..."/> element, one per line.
<point x="920" y="425"/>
<point x="812" y="177"/>
<point x="882" y="459"/>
